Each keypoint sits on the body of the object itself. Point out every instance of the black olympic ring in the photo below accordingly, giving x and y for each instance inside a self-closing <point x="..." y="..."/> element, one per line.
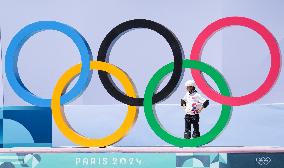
<point x="116" y="33"/>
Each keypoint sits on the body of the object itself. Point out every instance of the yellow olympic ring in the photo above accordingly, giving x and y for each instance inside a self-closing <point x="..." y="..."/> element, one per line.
<point x="62" y="122"/>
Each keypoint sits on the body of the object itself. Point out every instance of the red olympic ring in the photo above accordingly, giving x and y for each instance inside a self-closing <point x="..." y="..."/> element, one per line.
<point x="273" y="71"/>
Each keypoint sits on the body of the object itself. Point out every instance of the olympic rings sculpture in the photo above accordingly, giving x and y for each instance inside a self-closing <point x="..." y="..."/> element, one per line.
<point x="84" y="70"/>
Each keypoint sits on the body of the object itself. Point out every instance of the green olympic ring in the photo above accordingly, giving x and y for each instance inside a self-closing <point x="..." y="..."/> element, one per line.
<point x="153" y="121"/>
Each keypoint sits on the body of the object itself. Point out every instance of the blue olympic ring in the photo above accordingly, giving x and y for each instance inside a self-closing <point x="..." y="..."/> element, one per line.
<point x="12" y="58"/>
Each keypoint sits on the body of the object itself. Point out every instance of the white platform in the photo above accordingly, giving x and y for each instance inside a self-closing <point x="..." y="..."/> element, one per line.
<point x="146" y="150"/>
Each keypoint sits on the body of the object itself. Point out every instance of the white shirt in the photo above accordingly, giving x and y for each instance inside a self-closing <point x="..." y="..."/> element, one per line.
<point x="194" y="102"/>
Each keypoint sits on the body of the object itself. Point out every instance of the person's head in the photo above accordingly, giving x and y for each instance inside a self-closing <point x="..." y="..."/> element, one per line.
<point x="190" y="86"/>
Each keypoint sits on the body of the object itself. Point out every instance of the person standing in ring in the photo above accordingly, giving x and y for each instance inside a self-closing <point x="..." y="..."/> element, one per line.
<point x="193" y="104"/>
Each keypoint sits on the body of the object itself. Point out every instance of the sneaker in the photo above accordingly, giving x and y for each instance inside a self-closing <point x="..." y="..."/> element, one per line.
<point x="195" y="134"/>
<point x="187" y="135"/>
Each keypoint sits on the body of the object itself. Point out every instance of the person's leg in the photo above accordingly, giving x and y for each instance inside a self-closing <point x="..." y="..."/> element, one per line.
<point x="187" y="132"/>
<point x="195" y="120"/>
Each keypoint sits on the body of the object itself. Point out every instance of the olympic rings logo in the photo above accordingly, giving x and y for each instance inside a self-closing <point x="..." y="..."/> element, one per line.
<point x="130" y="98"/>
